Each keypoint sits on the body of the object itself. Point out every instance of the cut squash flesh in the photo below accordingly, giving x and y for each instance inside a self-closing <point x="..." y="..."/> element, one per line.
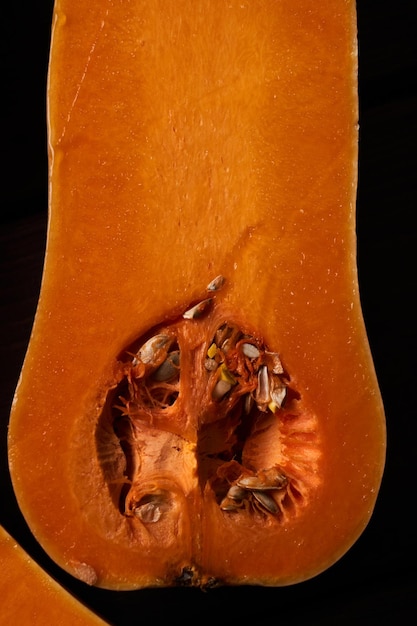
<point x="190" y="140"/>
<point x="30" y="596"/>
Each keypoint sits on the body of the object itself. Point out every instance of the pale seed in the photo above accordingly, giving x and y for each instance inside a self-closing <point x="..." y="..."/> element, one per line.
<point x="275" y="365"/>
<point x="198" y="310"/>
<point x="153" y="349"/>
<point x="216" y="284"/>
<point x="267" y="481"/>
<point x="226" y="345"/>
<point x="221" y="388"/>
<point x="210" y="365"/>
<point x="262" y="395"/>
<point x="148" y="513"/>
<point x="278" y="395"/>
<point x="250" y="350"/>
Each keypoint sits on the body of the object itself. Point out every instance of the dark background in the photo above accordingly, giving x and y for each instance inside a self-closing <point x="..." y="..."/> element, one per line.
<point x="376" y="582"/>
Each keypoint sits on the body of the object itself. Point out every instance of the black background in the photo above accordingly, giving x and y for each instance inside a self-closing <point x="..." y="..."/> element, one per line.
<point x="376" y="582"/>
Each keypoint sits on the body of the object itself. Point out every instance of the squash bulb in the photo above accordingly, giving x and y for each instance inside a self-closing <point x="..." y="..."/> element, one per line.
<point x="165" y="433"/>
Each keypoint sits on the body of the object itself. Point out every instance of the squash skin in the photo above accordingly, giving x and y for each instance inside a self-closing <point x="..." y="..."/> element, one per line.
<point x="270" y="161"/>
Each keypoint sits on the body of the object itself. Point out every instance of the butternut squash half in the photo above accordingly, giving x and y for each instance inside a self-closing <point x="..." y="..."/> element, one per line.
<point x="198" y="404"/>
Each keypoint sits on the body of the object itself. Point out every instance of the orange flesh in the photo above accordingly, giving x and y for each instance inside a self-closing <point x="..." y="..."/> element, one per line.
<point x="187" y="140"/>
<point x="30" y="596"/>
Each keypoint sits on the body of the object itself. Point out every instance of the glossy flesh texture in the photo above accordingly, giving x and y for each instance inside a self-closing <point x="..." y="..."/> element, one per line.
<point x="190" y="140"/>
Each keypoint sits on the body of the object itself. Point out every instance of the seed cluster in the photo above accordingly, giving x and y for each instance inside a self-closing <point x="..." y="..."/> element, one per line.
<point x="244" y="383"/>
<point x="255" y="491"/>
<point x="238" y="365"/>
<point x="153" y="377"/>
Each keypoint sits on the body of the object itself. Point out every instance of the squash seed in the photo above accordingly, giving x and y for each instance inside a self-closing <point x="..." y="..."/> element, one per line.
<point x="210" y="365"/>
<point x="197" y="310"/>
<point x="169" y="368"/>
<point x="229" y="504"/>
<point x="236" y="493"/>
<point x="148" y="513"/>
<point x="216" y="284"/>
<point x="221" y="388"/>
<point x="278" y="395"/>
<point x="266" y="501"/>
<point x="262" y="395"/>
<point x="153" y="351"/>
<point x="250" y="350"/>
<point x="274" y="362"/>
<point x="248" y="404"/>
<point x="267" y="480"/>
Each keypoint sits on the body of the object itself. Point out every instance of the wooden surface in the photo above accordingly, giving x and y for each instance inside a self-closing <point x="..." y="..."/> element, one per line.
<point x="377" y="580"/>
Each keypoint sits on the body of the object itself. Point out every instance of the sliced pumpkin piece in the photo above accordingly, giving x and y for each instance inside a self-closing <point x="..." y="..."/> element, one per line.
<point x="30" y="596"/>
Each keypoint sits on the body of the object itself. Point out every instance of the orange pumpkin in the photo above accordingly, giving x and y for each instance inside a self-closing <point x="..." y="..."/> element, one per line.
<point x="198" y="403"/>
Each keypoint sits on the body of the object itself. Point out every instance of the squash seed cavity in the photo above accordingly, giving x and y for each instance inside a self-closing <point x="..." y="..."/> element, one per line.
<point x="254" y="449"/>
